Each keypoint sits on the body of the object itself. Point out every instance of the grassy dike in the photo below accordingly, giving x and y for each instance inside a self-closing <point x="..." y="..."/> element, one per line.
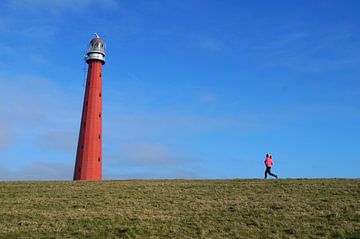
<point x="286" y="208"/>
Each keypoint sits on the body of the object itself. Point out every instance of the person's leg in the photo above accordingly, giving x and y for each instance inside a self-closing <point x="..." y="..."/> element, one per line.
<point x="266" y="172"/>
<point x="274" y="175"/>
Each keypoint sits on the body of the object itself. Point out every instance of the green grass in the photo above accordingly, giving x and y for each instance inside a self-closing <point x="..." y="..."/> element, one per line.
<point x="314" y="208"/>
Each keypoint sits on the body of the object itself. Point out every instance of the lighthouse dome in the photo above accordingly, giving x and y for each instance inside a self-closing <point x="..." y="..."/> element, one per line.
<point x="97" y="44"/>
<point x="96" y="50"/>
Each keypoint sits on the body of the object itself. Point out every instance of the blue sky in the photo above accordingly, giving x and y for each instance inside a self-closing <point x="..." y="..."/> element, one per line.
<point x="191" y="89"/>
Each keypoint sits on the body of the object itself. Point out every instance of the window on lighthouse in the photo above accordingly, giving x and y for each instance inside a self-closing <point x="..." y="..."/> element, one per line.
<point x="96" y="46"/>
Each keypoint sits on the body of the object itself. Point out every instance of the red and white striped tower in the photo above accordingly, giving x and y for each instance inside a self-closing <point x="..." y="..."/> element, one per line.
<point x="88" y="164"/>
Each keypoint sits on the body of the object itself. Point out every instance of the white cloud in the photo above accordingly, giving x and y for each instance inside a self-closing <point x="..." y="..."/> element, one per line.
<point x="40" y="31"/>
<point x="7" y="50"/>
<point x="59" y="141"/>
<point x="37" y="59"/>
<point x="4" y="22"/>
<point x="38" y="170"/>
<point x="147" y="153"/>
<point x="60" y="6"/>
<point x="176" y="124"/>
<point x="207" y="97"/>
<point x="36" y="107"/>
<point x="211" y="44"/>
<point x="6" y="139"/>
<point x="292" y="47"/>
<point x="150" y="160"/>
<point x="189" y="173"/>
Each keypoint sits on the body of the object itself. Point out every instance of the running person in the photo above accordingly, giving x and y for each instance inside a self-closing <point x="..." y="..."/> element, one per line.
<point x="268" y="163"/>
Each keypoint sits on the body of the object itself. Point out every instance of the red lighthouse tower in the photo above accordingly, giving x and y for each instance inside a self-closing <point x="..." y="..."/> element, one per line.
<point x="88" y="164"/>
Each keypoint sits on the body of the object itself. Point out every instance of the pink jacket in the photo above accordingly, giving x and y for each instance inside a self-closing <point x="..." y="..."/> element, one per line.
<point x="268" y="162"/>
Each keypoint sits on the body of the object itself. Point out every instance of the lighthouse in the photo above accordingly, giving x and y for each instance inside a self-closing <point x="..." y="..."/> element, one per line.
<point x="88" y="165"/>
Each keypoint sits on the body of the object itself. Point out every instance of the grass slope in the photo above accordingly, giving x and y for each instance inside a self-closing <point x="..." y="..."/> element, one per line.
<point x="316" y="208"/>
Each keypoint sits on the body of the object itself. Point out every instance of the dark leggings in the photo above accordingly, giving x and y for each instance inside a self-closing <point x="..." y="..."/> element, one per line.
<point x="267" y="171"/>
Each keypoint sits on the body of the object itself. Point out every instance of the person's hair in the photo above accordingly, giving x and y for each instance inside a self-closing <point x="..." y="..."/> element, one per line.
<point x="270" y="156"/>
<point x="267" y="155"/>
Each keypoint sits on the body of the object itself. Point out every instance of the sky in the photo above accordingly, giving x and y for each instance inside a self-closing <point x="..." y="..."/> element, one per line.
<point x="191" y="89"/>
